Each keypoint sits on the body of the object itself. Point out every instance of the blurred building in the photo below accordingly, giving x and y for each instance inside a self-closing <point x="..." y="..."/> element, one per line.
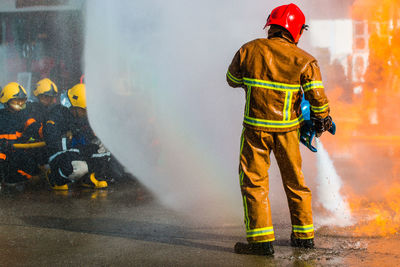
<point x="41" y="38"/>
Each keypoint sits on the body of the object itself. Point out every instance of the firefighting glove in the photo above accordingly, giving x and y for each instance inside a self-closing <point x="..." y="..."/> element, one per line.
<point x="321" y="125"/>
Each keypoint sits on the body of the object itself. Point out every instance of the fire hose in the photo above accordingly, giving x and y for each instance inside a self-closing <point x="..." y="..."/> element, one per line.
<point x="29" y="145"/>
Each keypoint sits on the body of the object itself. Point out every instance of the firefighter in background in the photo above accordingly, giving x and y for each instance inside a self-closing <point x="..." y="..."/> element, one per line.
<point x="275" y="73"/>
<point x="46" y="92"/>
<point x="16" y="126"/>
<point x="76" y="154"/>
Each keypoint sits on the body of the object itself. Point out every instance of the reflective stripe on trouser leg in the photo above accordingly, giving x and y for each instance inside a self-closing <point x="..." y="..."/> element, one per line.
<point x="302" y="231"/>
<point x="287" y="153"/>
<point x="253" y="172"/>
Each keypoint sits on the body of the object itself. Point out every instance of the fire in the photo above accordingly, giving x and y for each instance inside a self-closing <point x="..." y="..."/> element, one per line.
<point x="368" y="126"/>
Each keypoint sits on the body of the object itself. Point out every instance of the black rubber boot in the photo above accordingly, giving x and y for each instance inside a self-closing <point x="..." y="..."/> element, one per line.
<point x="263" y="248"/>
<point x="301" y="243"/>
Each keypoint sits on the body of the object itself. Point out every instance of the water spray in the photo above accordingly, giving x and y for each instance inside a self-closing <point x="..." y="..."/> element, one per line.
<point x="328" y="191"/>
<point x="329" y="182"/>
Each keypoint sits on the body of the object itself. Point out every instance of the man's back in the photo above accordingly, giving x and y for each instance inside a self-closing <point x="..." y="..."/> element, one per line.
<point x="272" y="71"/>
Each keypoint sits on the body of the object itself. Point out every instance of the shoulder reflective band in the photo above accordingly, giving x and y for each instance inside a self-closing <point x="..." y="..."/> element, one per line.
<point x="312" y="85"/>
<point x="30" y="145"/>
<point x="29" y="123"/>
<point x="319" y="109"/>
<point x="271" y="85"/>
<point x="233" y="78"/>
<point x="272" y="123"/>
<point x="303" y="228"/>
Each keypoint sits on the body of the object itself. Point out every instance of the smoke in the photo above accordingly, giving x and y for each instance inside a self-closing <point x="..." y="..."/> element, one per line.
<point x="155" y="73"/>
<point x="329" y="191"/>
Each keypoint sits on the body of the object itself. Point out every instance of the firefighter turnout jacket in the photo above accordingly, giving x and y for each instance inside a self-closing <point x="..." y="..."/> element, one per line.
<point x="16" y="127"/>
<point x="274" y="91"/>
<point x="65" y="133"/>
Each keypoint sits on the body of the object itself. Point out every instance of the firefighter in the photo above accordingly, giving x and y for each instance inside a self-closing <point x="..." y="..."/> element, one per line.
<point x="46" y="92"/>
<point x="16" y="126"/>
<point x="275" y="74"/>
<point x="76" y="154"/>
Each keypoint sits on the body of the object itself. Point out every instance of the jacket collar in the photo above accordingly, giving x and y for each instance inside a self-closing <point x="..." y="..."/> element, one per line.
<point x="275" y="32"/>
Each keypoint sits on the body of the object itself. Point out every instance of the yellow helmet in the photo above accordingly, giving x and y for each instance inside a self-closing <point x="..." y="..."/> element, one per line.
<point x="12" y="90"/>
<point x="77" y="95"/>
<point x="46" y="87"/>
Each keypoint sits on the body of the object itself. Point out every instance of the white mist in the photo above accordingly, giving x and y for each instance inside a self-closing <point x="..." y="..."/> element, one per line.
<point x="157" y="97"/>
<point x="329" y="196"/>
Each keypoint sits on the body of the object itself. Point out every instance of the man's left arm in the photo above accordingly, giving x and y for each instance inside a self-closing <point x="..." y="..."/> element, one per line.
<point x="234" y="76"/>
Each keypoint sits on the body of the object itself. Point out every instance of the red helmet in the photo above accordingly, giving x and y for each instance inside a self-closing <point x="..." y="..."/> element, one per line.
<point x="289" y="17"/>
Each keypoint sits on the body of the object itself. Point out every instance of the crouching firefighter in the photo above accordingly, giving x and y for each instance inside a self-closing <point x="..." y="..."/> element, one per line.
<point x="275" y="73"/>
<point x="17" y="126"/>
<point x="76" y="154"/>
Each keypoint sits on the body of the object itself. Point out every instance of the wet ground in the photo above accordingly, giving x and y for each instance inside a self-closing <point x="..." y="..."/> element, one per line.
<point x="125" y="226"/>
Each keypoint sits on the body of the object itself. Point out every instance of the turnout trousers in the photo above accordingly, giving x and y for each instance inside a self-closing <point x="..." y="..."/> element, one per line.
<point x="255" y="150"/>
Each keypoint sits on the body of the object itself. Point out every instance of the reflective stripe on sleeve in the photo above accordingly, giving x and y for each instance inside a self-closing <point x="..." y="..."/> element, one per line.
<point x="312" y="85"/>
<point x="99" y="155"/>
<point x="233" y="78"/>
<point x="319" y="109"/>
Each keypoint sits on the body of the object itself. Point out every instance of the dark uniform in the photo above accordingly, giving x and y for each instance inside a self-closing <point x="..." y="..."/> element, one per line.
<point x="17" y="165"/>
<point x="69" y="139"/>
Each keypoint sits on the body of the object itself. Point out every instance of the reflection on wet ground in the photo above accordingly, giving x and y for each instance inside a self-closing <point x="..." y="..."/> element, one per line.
<point x="125" y="226"/>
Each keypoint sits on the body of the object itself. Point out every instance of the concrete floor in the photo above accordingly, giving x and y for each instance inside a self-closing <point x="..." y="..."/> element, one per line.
<point x="124" y="226"/>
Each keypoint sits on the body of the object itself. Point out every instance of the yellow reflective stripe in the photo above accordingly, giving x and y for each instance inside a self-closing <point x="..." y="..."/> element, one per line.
<point x="247" y="110"/>
<point x="241" y="149"/>
<point x="233" y="78"/>
<point x="312" y="85"/>
<point x="287" y="105"/>
<point x="260" y="231"/>
<point x="272" y="123"/>
<point x="271" y="85"/>
<point x="320" y="109"/>
<point x="265" y="240"/>
<point x="303" y="228"/>
<point x="242" y="141"/>
<point x="246" y="215"/>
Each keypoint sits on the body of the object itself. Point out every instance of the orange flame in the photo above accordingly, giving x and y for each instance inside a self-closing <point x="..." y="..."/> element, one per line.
<point x="368" y="126"/>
